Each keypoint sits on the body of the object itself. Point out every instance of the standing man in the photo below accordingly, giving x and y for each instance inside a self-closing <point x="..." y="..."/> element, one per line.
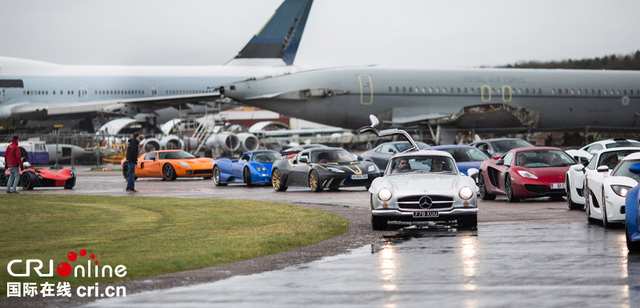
<point x="132" y="160"/>
<point x="13" y="160"/>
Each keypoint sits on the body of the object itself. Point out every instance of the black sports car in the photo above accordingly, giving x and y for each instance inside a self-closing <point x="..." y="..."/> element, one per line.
<point x="318" y="168"/>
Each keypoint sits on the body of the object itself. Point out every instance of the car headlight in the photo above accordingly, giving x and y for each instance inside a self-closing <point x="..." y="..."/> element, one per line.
<point x="261" y="169"/>
<point x="620" y="190"/>
<point x="336" y="170"/>
<point x="183" y="164"/>
<point x="527" y="174"/>
<point x="384" y="194"/>
<point x="466" y="192"/>
<point x="373" y="168"/>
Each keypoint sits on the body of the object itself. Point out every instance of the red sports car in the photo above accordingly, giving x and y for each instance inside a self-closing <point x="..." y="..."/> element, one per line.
<point x="41" y="177"/>
<point x="525" y="173"/>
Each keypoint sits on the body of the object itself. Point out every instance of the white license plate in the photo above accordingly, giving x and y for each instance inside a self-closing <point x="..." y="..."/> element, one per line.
<point x="557" y="185"/>
<point x="426" y="214"/>
<point x="359" y="176"/>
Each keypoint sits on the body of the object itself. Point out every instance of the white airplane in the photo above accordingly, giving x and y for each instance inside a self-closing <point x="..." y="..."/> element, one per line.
<point x="40" y="90"/>
<point x="542" y="99"/>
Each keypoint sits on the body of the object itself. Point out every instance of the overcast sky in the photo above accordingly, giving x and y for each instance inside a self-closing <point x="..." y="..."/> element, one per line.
<point x="400" y="33"/>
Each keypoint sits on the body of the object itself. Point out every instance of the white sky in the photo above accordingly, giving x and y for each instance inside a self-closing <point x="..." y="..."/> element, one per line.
<point x="401" y="33"/>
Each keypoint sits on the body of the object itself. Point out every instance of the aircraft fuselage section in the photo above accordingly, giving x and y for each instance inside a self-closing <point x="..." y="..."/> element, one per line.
<point x="545" y="99"/>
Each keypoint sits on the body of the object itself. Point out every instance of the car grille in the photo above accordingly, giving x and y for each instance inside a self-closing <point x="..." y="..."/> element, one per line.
<point x="413" y="202"/>
<point x="205" y="171"/>
<point x="542" y="190"/>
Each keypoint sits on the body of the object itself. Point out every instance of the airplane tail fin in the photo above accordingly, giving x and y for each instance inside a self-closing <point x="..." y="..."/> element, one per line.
<point x="280" y="37"/>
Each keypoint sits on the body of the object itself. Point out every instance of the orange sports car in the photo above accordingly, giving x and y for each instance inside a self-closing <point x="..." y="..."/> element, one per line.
<point x="170" y="164"/>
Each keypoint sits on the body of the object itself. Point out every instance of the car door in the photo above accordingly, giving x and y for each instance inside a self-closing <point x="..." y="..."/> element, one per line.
<point x="150" y="165"/>
<point x="237" y="166"/>
<point x="299" y="169"/>
<point x="502" y="169"/>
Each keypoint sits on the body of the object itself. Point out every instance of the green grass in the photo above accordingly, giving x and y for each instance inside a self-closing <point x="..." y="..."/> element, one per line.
<point x="150" y="236"/>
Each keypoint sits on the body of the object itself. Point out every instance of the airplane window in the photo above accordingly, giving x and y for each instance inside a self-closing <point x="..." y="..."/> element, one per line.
<point x="566" y="91"/>
<point x="404" y="89"/>
<point x="410" y="89"/>
<point x="430" y="90"/>
<point x="437" y="90"/>
<point x="559" y="91"/>
<point x="390" y="89"/>
<point x="573" y="92"/>
<point x="604" y="92"/>
<point x="465" y="90"/>
<point x="519" y="91"/>
<point x="444" y="90"/>
<point x="451" y="89"/>
<point x="579" y="92"/>
<point x="397" y="89"/>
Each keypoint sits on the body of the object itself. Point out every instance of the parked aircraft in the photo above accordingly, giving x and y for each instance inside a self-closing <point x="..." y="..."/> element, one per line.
<point x="40" y="90"/>
<point x="466" y="98"/>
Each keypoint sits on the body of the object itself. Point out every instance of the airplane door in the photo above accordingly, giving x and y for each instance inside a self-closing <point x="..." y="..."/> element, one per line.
<point x="83" y="93"/>
<point x="366" y="89"/>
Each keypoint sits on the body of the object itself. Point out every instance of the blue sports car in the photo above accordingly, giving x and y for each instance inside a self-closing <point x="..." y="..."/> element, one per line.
<point x="632" y="225"/>
<point x="466" y="156"/>
<point x="253" y="167"/>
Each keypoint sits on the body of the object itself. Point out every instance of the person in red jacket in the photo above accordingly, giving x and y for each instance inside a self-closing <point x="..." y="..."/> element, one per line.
<point x="13" y="160"/>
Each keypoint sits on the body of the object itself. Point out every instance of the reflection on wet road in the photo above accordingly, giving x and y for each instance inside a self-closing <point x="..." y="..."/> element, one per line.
<point x="502" y="264"/>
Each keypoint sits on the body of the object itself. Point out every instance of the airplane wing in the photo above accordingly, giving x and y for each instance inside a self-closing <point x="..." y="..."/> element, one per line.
<point x="120" y="106"/>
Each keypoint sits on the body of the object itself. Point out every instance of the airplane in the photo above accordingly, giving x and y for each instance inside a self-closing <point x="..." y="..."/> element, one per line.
<point x="519" y="99"/>
<point x="40" y="90"/>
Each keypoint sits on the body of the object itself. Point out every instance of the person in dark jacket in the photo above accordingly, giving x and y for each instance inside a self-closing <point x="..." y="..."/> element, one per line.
<point x="132" y="160"/>
<point x="13" y="160"/>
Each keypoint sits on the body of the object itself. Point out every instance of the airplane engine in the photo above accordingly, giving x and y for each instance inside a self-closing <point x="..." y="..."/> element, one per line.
<point x="225" y="141"/>
<point x="248" y="142"/>
<point x="150" y="144"/>
<point x="171" y="142"/>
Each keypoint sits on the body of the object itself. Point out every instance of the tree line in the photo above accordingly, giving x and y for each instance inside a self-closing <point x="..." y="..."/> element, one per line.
<point x="612" y="62"/>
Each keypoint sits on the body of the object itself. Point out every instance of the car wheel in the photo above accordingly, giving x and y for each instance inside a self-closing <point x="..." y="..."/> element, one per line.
<point x="276" y="181"/>
<point x="509" y="189"/>
<point x="572" y="205"/>
<point x="378" y="223"/>
<point x="26" y="181"/>
<point x="588" y="209"/>
<point x="634" y="247"/>
<point x="314" y="181"/>
<point x="605" y="221"/>
<point x="168" y="173"/>
<point x="125" y="171"/>
<point x="470" y="222"/>
<point x="216" y="177"/>
<point x="482" y="187"/>
<point x="246" y="174"/>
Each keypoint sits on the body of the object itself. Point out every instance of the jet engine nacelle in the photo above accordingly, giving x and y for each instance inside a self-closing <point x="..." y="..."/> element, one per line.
<point x="149" y="144"/>
<point x="225" y="141"/>
<point x="248" y="142"/>
<point x="171" y="142"/>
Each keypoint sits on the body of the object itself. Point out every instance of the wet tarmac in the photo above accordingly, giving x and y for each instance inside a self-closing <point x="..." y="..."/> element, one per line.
<point x="532" y="254"/>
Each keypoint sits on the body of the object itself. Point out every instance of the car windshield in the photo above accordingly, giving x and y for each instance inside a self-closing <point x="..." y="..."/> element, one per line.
<point x="543" y="159"/>
<point x="175" y="155"/>
<point x="406" y="145"/>
<point x="332" y="156"/>
<point x="611" y="159"/>
<point x="265" y="157"/>
<point x="466" y="154"/>
<point x="504" y="146"/>
<point x="623" y="170"/>
<point x="407" y="164"/>
<point x="623" y="143"/>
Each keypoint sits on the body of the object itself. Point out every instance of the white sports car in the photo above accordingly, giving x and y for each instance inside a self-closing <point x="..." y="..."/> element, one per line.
<point x="421" y="185"/>
<point x="606" y="192"/>
<point x="577" y="174"/>
<point x="586" y="152"/>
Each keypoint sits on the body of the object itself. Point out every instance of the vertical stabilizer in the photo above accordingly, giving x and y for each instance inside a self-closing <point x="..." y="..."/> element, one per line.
<point x="280" y="37"/>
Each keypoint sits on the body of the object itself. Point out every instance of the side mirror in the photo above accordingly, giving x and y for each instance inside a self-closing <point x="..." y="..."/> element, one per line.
<point x="603" y="168"/>
<point x="153" y="158"/>
<point x="303" y="160"/>
<point x="473" y="172"/>
<point x="500" y="162"/>
<point x="577" y="168"/>
<point x="141" y="165"/>
<point x="359" y="158"/>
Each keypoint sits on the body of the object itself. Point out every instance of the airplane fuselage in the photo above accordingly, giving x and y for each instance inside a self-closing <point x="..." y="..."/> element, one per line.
<point x="26" y="82"/>
<point x="542" y="99"/>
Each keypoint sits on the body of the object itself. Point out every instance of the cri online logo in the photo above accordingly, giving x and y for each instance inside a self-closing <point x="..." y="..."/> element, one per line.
<point x="65" y="269"/>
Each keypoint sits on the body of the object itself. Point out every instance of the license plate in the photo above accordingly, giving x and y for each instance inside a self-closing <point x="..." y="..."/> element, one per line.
<point x="359" y="176"/>
<point x="426" y="214"/>
<point x="557" y="185"/>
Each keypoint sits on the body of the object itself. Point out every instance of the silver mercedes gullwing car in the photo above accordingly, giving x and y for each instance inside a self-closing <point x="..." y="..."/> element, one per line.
<point x="421" y="185"/>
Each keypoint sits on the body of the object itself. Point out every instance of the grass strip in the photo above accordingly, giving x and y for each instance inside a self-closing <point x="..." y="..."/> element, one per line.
<point x="150" y="236"/>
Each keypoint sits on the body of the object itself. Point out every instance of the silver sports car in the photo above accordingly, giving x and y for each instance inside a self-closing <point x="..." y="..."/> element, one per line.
<point x="421" y="185"/>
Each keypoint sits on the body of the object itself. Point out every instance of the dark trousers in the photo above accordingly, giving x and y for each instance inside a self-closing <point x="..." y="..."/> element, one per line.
<point x="131" y="181"/>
